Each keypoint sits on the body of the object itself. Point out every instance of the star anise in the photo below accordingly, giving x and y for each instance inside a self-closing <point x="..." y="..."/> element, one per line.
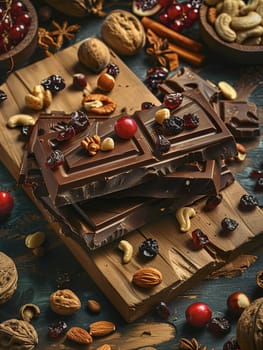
<point x="161" y="51"/>
<point x="187" y="344"/>
<point x="63" y="31"/>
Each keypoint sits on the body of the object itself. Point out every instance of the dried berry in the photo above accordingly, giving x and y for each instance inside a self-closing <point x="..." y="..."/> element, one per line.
<point x="79" y="121"/>
<point x="256" y="174"/>
<point x="219" y="325"/>
<point x="213" y="201"/>
<point x="248" y="202"/>
<point x="229" y="224"/>
<point x="162" y="144"/>
<point x="57" y="329"/>
<point x="173" y="100"/>
<point x="3" y="96"/>
<point x="231" y="344"/>
<point x="149" y="248"/>
<point x="55" y="159"/>
<point x="147" y="105"/>
<point x="259" y="185"/>
<point x="163" y="310"/>
<point x="66" y="133"/>
<point x="173" y="125"/>
<point x="191" y="121"/>
<point x="155" y="76"/>
<point x="113" y="70"/>
<point x="199" y="239"/>
<point x="54" y="83"/>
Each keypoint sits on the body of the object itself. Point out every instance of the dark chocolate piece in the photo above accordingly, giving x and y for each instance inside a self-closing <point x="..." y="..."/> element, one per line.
<point x="240" y="117"/>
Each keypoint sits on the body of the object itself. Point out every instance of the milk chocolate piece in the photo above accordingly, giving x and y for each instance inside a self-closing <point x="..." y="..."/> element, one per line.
<point x="240" y="117"/>
<point x="132" y="161"/>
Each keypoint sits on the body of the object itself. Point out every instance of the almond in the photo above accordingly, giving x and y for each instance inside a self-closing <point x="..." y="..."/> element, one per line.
<point x="104" y="347"/>
<point x="147" y="277"/>
<point x="101" y="328"/>
<point x="93" y="306"/>
<point x="79" y="335"/>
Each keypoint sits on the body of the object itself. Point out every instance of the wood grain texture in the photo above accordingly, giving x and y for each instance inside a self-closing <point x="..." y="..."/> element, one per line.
<point x="179" y="263"/>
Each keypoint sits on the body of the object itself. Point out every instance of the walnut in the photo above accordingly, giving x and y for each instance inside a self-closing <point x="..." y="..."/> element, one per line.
<point x="8" y="278"/>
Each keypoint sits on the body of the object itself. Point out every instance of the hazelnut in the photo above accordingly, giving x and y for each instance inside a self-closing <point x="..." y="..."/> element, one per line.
<point x="105" y="82"/>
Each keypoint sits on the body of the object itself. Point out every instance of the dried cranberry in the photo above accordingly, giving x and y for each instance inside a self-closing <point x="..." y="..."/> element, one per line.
<point x="66" y="133"/>
<point x="149" y="248"/>
<point x="229" y="224"/>
<point x="55" y="159"/>
<point x="113" y="70"/>
<point x="163" y="310"/>
<point x="259" y="185"/>
<point x="256" y="174"/>
<point x="3" y="96"/>
<point x="248" y="202"/>
<point x="57" y="329"/>
<point x="147" y="105"/>
<point x="231" y="344"/>
<point x="219" y="325"/>
<point x="155" y="76"/>
<point x="173" y="100"/>
<point x="173" y="125"/>
<point x="191" y="121"/>
<point x="54" y="83"/>
<point x="79" y="121"/>
<point x="199" y="239"/>
<point x="162" y="144"/>
<point x="213" y="201"/>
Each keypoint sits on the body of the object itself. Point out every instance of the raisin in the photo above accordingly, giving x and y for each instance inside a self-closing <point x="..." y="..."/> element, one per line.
<point x="155" y="76"/>
<point x="173" y="125"/>
<point x="149" y="248"/>
<point x="147" y="105"/>
<point x="199" y="239"/>
<point x="173" y="100"/>
<point x="54" y="83"/>
<point x="213" y="201"/>
<point x="79" y="121"/>
<point x="163" y="310"/>
<point x="248" y="202"/>
<point x="219" y="325"/>
<point x="231" y="344"/>
<point x="55" y="159"/>
<point x="57" y="329"/>
<point x="259" y="185"/>
<point x="113" y="70"/>
<point x="229" y="224"/>
<point x="3" y="96"/>
<point x="191" y="121"/>
<point x="162" y="144"/>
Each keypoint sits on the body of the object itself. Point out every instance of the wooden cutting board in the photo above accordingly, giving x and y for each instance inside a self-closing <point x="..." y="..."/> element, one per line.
<point x="180" y="264"/>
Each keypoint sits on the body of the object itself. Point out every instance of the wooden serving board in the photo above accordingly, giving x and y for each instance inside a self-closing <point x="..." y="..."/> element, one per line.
<point x="179" y="263"/>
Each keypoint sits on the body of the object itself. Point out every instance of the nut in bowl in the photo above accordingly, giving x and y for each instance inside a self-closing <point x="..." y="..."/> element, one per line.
<point x="236" y="45"/>
<point x="18" y="32"/>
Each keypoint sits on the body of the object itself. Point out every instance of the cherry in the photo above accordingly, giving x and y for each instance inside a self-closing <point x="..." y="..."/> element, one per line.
<point x="79" y="81"/>
<point x="174" y="11"/>
<point x="165" y="2"/>
<point x="16" y="33"/>
<point x="6" y="203"/>
<point x="125" y="127"/>
<point x="24" y="19"/>
<point x="17" y="8"/>
<point x="198" y="314"/>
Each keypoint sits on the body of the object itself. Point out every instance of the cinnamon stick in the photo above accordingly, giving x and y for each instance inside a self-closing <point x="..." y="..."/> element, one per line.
<point x="194" y="58"/>
<point x="170" y="34"/>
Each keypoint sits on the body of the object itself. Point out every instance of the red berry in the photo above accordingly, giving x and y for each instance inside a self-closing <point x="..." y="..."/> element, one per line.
<point x="17" y="8"/>
<point x="6" y="203"/>
<point x="198" y="314"/>
<point x="125" y="127"/>
<point x="79" y="81"/>
<point x="237" y="302"/>
<point x="174" y="11"/>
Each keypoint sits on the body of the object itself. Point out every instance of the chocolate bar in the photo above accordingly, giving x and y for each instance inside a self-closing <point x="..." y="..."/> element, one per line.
<point x="132" y="161"/>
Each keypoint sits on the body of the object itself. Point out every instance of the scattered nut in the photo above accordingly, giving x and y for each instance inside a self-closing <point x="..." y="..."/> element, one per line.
<point x="79" y="335"/>
<point x="20" y="120"/>
<point x="35" y="240"/>
<point x="241" y="152"/>
<point x="104" y="347"/>
<point x="104" y="105"/>
<point x="29" y="311"/>
<point x="162" y="114"/>
<point x="93" y="306"/>
<point x="101" y="328"/>
<point x="105" y="82"/>
<point x="259" y="279"/>
<point x="227" y="90"/>
<point x="147" y="277"/>
<point x="39" y="98"/>
<point x="127" y="249"/>
<point x="64" y="302"/>
<point x="91" y="144"/>
<point x="107" y="144"/>
<point x="211" y="15"/>
<point x="183" y="215"/>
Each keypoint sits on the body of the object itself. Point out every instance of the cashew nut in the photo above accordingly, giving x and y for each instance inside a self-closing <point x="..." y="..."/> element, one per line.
<point x="242" y="36"/>
<point x="222" y="27"/>
<point x="231" y="7"/>
<point x="252" y="19"/>
<point x="127" y="249"/>
<point x="183" y="216"/>
<point x="20" y="120"/>
<point x="260" y="11"/>
<point x="250" y="6"/>
<point x="29" y="311"/>
<point x="39" y="98"/>
<point x="256" y="40"/>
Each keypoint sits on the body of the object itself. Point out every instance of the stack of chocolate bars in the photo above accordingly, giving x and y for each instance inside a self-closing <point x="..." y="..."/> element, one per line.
<point x="98" y="199"/>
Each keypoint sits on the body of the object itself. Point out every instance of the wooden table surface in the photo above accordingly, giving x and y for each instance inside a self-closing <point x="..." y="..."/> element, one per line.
<point x="40" y="276"/>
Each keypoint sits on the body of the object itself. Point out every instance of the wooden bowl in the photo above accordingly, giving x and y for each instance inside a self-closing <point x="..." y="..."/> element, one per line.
<point x="232" y="52"/>
<point x="23" y="50"/>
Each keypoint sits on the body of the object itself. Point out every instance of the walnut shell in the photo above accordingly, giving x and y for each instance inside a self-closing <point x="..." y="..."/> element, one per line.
<point x="64" y="302"/>
<point x="250" y="327"/>
<point x="8" y="278"/>
<point x="17" y="334"/>
<point x="78" y="8"/>
<point x="94" y="54"/>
